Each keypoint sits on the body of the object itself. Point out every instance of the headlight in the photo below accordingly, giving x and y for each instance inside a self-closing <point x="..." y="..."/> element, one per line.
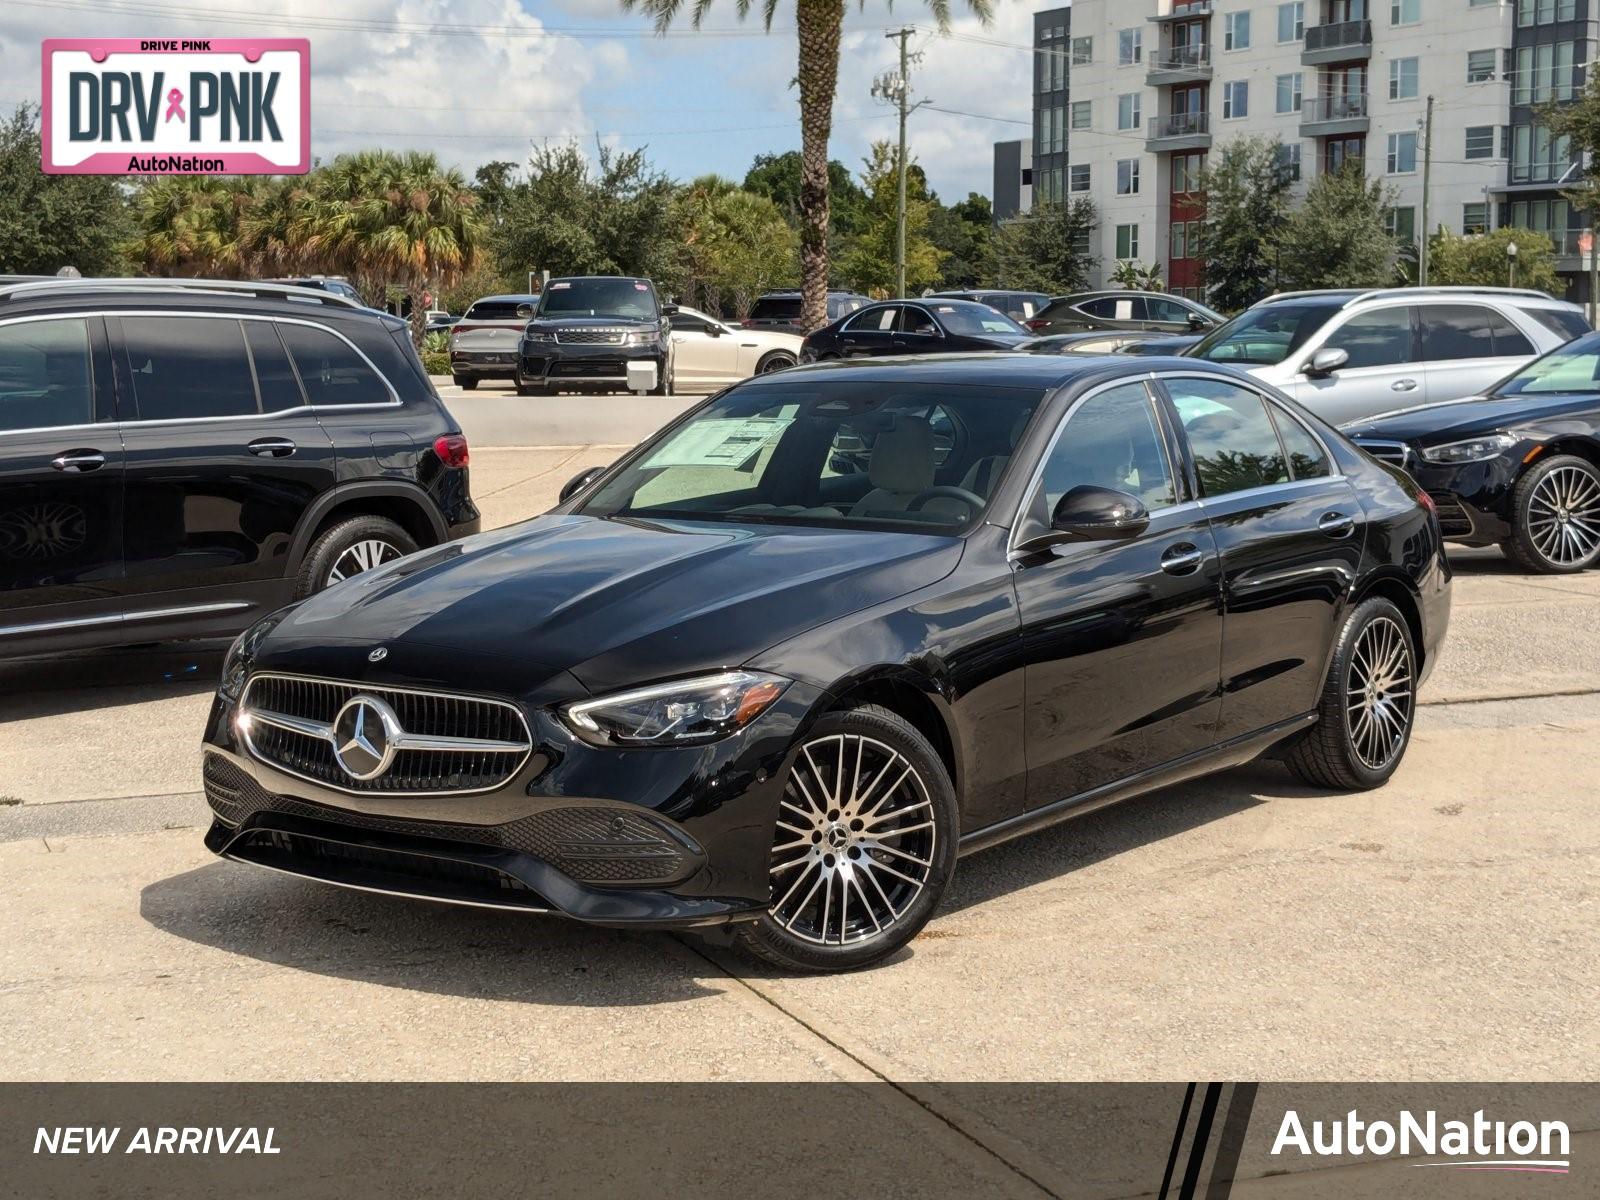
<point x="641" y="337"/>
<point x="540" y="337"/>
<point x="1470" y="450"/>
<point x="241" y="655"/>
<point x="676" y="714"/>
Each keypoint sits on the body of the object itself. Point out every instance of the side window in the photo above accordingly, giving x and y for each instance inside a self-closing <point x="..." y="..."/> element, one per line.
<point x="872" y="320"/>
<point x="1115" y="308"/>
<point x="1111" y="441"/>
<point x="275" y="377"/>
<point x="331" y="372"/>
<point x="45" y="378"/>
<point x="1380" y="338"/>
<point x="684" y="323"/>
<point x="1451" y="331"/>
<point x="1162" y="309"/>
<point x="1508" y="340"/>
<point x="185" y="368"/>
<point x="918" y="321"/>
<point x="1307" y="458"/>
<point x="1230" y="435"/>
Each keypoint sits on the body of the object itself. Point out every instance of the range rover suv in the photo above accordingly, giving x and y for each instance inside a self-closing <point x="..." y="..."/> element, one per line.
<point x="597" y="332"/>
<point x="178" y="458"/>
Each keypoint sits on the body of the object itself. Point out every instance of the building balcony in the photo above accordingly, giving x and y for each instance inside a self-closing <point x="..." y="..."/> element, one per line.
<point x="1334" y="116"/>
<point x="1179" y="64"/>
<point x="1179" y="131"/>
<point x="1184" y="12"/>
<point x="1343" y="41"/>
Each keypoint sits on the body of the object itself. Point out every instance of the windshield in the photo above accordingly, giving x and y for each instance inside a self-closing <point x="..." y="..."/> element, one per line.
<point x="630" y="299"/>
<point x="1266" y="334"/>
<point x="976" y="321"/>
<point x="832" y="453"/>
<point x="771" y="308"/>
<point x="1574" y="367"/>
<point x="500" y="310"/>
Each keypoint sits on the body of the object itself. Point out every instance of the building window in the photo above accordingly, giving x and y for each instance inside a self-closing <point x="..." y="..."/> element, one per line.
<point x="1079" y="177"/>
<point x="1128" y="111"/>
<point x="1235" y="100"/>
<point x="1289" y="93"/>
<point x="1082" y="51"/>
<point x="1402" y="79"/>
<point x="1402" y="154"/>
<point x="1480" y="66"/>
<point x="1544" y="73"/>
<point x="1536" y="157"/>
<point x="1186" y="169"/>
<point x="1081" y="114"/>
<point x="1475" y="218"/>
<point x="1130" y="46"/>
<point x="1186" y="240"/>
<point x="1292" y="22"/>
<point x="1545" y="12"/>
<point x="1289" y="160"/>
<point x="1402" y="225"/>
<point x="1127" y="241"/>
<point x="1127" y="177"/>
<point x="1339" y="151"/>
<point x="1236" y="31"/>
<point x="1480" y="141"/>
<point x="1405" y="12"/>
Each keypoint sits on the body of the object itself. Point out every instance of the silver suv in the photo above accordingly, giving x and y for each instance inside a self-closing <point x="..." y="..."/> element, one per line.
<point x="1348" y="355"/>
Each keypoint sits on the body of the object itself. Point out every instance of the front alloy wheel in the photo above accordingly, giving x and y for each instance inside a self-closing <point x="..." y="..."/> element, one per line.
<point x="1556" y="521"/>
<point x="863" y="847"/>
<point x="362" y="556"/>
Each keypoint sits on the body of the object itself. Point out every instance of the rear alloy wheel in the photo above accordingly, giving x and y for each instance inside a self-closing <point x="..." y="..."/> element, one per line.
<point x="864" y="846"/>
<point x="351" y="548"/>
<point x="776" y="361"/>
<point x="1556" y="517"/>
<point x="1368" y="704"/>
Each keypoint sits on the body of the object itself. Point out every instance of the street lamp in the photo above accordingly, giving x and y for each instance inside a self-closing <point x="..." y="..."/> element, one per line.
<point x="1511" y="264"/>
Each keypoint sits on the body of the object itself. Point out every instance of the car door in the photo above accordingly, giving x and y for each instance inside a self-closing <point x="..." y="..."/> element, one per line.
<point x="1290" y="532"/>
<point x="870" y="333"/>
<point x="1468" y="347"/>
<point x="919" y="332"/>
<point x="1383" y="371"/>
<point x="224" y="455"/>
<point x="1121" y="637"/>
<point x="60" y="475"/>
<point x="703" y="352"/>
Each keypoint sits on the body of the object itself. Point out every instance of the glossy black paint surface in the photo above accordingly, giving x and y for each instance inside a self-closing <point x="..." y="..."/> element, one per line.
<point x="849" y="336"/>
<point x="1050" y="681"/>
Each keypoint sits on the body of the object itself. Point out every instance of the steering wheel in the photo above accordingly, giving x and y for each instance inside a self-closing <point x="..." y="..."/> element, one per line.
<point x="972" y="500"/>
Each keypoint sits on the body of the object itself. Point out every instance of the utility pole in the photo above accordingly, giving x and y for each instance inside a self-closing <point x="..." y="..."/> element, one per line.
<point x="1427" y="170"/>
<point x="896" y="89"/>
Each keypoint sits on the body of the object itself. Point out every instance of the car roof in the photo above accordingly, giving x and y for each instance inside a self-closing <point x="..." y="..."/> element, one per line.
<point x="156" y="293"/>
<point x="1003" y="368"/>
<point x="960" y="292"/>
<point x="1349" y="296"/>
<point x="576" y="278"/>
<point x="517" y="297"/>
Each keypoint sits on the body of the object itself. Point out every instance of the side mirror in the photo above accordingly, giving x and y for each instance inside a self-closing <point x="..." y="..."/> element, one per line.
<point x="1197" y="322"/>
<point x="524" y="310"/>
<point x="578" y="482"/>
<point x="669" y="310"/>
<point x="1326" y="362"/>
<point x="1089" y="513"/>
<point x="715" y="330"/>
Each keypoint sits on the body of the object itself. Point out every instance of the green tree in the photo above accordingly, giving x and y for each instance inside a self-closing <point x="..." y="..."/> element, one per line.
<point x="1480" y="260"/>
<point x="1578" y="122"/>
<point x="819" y="25"/>
<point x="1045" y="249"/>
<point x="1246" y="198"/>
<point x="961" y="232"/>
<point x="52" y="221"/>
<point x="736" y="244"/>
<point x="870" y="263"/>
<point x="777" y="177"/>
<point x="189" y="225"/>
<point x="1137" y="277"/>
<point x="1336" y="238"/>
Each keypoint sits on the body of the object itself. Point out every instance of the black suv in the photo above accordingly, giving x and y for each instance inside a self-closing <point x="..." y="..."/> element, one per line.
<point x="179" y="457"/>
<point x="781" y="310"/>
<point x="597" y="332"/>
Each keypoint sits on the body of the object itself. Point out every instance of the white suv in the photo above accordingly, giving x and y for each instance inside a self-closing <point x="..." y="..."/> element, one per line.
<point x="1348" y="355"/>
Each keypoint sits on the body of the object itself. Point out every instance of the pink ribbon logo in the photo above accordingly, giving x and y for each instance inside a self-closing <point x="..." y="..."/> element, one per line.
<point x="175" y="105"/>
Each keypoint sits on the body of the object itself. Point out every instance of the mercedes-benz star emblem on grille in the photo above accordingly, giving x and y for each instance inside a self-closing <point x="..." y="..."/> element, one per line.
<point x="364" y="736"/>
<point x="378" y="654"/>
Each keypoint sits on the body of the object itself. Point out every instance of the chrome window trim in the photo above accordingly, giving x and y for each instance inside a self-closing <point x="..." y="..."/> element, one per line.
<point x="118" y="618"/>
<point x="121" y="423"/>
<point x="850" y="325"/>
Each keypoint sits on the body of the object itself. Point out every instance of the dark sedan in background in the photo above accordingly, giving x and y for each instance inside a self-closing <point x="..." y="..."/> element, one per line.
<point x="1019" y="306"/>
<point x="1129" y="341"/>
<point x="725" y="683"/>
<point x="1518" y="467"/>
<point x="1122" y="308"/>
<point x="914" y="327"/>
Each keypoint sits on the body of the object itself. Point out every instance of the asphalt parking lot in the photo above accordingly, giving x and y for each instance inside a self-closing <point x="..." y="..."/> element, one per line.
<point x="1444" y="927"/>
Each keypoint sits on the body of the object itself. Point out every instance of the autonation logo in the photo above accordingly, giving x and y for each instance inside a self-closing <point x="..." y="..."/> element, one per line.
<point x="1476" y="1145"/>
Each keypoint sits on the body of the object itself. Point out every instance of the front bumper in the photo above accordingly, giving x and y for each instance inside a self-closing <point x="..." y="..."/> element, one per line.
<point x="557" y="364"/>
<point x="484" y="364"/>
<point x="1474" y="499"/>
<point x="673" y="838"/>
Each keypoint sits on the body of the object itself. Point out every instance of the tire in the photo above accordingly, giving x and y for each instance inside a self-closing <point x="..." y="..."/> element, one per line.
<point x="532" y="389"/>
<point x="827" y="867"/>
<point x="777" y="360"/>
<point x="1361" y="735"/>
<point x="666" y="383"/>
<point x="465" y="382"/>
<point x="367" y="539"/>
<point x="1555" y="517"/>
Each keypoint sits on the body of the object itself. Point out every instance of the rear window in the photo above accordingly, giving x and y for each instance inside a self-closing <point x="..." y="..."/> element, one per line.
<point x="1561" y="321"/>
<point x="500" y="310"/>
<point x="331" y="371"/>
<point x="779" y="308"/>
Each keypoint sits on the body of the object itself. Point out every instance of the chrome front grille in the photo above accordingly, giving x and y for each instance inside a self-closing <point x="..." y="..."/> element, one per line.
<point x="1396" y="454"/>
<point x="590" y="337"/>
<point x="415" y="742"/>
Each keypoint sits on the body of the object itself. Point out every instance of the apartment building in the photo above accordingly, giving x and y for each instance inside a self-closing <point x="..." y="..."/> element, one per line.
<point x="1156" y="86"/>
<point x="1013" y="178"/>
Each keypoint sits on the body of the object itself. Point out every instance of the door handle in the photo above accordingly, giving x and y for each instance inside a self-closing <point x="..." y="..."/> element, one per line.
<point x="1183" y="559"/>
<point x="75" y="462"/>
<point x="1336" y="524"/>
<point x="271" y="447"/>
<point x="1403" y="385"/>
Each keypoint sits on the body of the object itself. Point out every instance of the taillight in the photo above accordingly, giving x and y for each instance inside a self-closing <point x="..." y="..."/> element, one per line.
<point x="451" y="449"/>
<point x="748" y="323"/>
<point x="1037" y="323"/>
<point x="1427" y="502"/>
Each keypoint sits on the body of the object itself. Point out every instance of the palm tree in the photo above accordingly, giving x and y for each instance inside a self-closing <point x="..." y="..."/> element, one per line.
<point x="267" y="230"/>
<point x="189" y="225"/>
<point x="819" y="24"/>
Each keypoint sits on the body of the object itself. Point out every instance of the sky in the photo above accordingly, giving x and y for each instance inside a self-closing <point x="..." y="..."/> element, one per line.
<point x="479" y="80"/>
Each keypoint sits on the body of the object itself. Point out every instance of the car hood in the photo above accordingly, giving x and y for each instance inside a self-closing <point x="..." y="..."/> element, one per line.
<point x="600" y="322"/>
<point x="614" y="601"/>
<point x="1458" y="419"/>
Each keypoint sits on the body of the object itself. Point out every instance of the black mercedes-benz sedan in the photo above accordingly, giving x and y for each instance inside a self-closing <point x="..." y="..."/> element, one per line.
<point x="930" y="326"/>
<point x="776" y="668"/>
<point x="1518" y="467"/>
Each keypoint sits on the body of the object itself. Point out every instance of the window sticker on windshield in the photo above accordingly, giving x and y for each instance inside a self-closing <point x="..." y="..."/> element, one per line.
<point x="641" y="287"/>
<point x="559" y="287"/>
<point x="731" y="442"/>
<point x="945" y="308"/>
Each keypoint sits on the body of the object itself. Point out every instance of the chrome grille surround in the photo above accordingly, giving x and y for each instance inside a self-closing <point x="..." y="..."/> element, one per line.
<point x="1396" y="454"/>
<point x="448" y="743"/>
<point x="591" y="337"/>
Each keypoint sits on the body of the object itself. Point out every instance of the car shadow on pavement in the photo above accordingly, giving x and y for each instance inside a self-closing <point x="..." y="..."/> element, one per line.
<point x="40" y="687"/>
<point x="421" y="946"/>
